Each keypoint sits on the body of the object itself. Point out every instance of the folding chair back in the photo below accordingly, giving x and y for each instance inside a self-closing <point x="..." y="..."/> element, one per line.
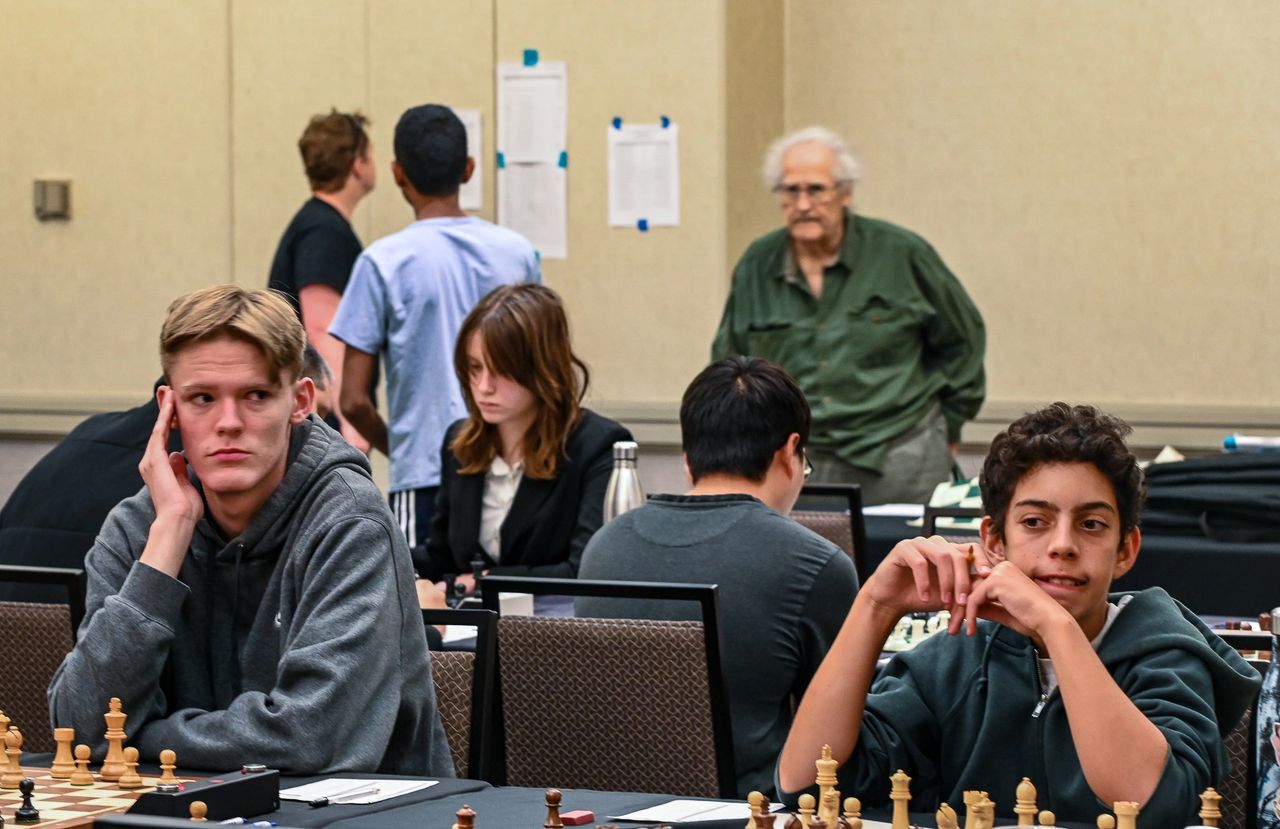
<point x="34" y="638"/>
<point x="612" y="704"/>
<point x="608" y="704"/>
<point x="1238" y="789"/>
<point x="834" y="511"/>
<point x="464" y="689"/>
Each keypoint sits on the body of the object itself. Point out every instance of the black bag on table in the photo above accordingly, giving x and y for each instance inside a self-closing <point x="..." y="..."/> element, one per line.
<point x="1228" y="498"/>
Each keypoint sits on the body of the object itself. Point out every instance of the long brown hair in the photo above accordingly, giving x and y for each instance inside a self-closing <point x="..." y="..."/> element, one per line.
<point x="525" y="334"/>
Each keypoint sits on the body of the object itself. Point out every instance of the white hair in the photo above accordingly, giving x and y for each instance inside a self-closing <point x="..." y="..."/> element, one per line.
<point x="847" y="170"/>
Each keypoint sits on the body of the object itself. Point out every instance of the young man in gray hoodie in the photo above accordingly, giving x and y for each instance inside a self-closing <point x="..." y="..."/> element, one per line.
<point x="254" y="603"/>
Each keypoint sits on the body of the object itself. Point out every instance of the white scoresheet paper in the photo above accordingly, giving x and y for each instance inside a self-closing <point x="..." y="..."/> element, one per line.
<point x="532" y="202"/>
<point x="471" y="196"/>
<point x="644" y="175"/>
<point x="532" y="111"/>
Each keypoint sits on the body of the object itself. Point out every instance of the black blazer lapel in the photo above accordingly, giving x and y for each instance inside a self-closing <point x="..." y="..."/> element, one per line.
<point x="530" y="496"/>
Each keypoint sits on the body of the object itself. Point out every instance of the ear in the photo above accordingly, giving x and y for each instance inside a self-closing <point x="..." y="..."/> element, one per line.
<point x="469" y="170"/>
<point x="688" y="473"/>
<point x="304" y="400"/>
<point x="992" y="540"/>
<point x="1127" y="555"/>
<point x="792" y="461"/>
<point x="397" y="173"/>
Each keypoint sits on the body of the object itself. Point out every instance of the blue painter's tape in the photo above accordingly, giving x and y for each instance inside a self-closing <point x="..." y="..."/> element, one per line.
<point x="502" y="161"/>
<point x="564" y="158"/>
<point x="642" y="225"/>
<point x="530" y="57"/>
<point x="617" y="123"/>
<point x="666" y="122"/>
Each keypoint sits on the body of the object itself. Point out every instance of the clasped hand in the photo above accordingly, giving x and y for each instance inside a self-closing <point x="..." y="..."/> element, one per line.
<point x="968" y="580"/>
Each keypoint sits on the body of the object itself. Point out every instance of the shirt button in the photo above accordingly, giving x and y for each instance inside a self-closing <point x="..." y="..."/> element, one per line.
<point x="822" y="363"/>
<point x="821" y="326"/>
<point x="826" y="398"/>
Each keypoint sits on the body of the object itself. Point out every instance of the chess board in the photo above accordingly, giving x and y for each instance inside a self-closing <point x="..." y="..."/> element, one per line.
<point x="64" y="806"/>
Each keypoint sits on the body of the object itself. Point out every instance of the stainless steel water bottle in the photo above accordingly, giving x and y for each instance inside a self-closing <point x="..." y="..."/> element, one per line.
<point x="624" y="491"/>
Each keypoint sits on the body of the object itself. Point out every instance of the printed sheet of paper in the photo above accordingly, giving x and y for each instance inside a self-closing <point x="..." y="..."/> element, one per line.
<point x="532" y="202"/>
<point x="351" y="790"/>
<point x="471" y="196"/>
<point x="644" y="175"/>
<point x="532" y="111"/>
<point x="691" y="811"/>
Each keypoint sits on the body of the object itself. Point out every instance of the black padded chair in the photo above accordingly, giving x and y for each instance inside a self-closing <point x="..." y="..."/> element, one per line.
<point x="34" y="638"/>
<point x="612" y="704"/>
<point x="464" y="689"/>
<point x="834" y="511"/>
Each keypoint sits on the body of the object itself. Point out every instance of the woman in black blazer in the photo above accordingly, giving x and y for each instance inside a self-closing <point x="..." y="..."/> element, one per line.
<point x="523" y="476"/>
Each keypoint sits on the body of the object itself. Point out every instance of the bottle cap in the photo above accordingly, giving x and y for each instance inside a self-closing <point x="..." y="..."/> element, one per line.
<point x="252" y="768"/>
<point x="625" y="450"/>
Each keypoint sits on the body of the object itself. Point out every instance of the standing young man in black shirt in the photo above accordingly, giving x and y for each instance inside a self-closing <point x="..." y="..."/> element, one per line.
<point x="319" y="247"/>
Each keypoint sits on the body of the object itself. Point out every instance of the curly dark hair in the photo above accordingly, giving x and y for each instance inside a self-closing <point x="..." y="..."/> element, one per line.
<point x="1061" y="433"/>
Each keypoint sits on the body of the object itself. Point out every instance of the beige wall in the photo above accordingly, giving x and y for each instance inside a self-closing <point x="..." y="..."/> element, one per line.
<point x="1102" y="176"/>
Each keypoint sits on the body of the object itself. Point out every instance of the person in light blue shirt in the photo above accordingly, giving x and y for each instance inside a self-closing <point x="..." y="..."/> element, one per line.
<point x="408" y="295"/>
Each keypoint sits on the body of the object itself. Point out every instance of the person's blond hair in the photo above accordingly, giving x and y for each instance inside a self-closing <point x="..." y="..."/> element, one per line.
<point x="259" y="317"/>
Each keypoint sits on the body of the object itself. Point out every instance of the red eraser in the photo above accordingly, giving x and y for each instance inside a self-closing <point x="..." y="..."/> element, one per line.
<point x="577" y="817"/>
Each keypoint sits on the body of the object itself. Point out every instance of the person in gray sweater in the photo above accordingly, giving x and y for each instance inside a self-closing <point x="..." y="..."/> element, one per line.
<point x="254" y="603"/>
<point x="783" y="589"/>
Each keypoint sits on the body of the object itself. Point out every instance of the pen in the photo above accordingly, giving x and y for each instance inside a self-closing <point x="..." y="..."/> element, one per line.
<point x="263" y="824"/>
<point x="343" y="797"/>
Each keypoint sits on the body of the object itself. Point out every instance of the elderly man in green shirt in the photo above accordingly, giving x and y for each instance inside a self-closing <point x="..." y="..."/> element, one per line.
<point x="864" y="314"/>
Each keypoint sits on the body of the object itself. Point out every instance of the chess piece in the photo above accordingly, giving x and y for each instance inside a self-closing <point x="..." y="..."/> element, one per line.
<point x="753" y="804"/>
<point x="1126" y="814"/>
<point x="26" y="813"/>
<point x="900" y="794"/>
<point x="198" y="809"/>
<point x="63" y="761"/>
<point x="1209" y="813"/>
<point x="113" y="765"/>
<point x="945" y="817"/>
<point x="1048" y="818"/>
<point x="466" y="818"/>
<point x="553" y="810"/>
<point x="817" y="823"/>
<point x="1025" y="803"/>
<point x="852" y="817"/>
<point x="130" y="779"/>
<point x="808" y="805"/>
<point x="971" y="798"/>
<point x="168" y="762"/>
<point x="793" y="822"/>
<point x="986" y="812"/>
<point x="82" y="776"/>
<point x="826" y="781"/>
<point x="829" y="808"/>
<point x="764" y="820"/>
<point x="12" y="777"/>
<point x="1106" y="821"/>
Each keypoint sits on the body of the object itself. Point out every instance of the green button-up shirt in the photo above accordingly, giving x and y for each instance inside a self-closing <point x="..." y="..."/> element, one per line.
<point x="893" y="333"/>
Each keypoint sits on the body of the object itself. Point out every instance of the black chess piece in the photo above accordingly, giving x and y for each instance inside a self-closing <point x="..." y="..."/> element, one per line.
<point x="26" y="813"/>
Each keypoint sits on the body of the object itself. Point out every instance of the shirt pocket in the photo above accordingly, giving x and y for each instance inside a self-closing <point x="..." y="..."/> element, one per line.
<point x="885" y="331"/>
<point x="770" y="338"/>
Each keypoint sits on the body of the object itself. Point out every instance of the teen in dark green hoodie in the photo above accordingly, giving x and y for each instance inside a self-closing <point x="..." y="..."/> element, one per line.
<point x="254" y="603"/>
<point x="1095" y="697"/>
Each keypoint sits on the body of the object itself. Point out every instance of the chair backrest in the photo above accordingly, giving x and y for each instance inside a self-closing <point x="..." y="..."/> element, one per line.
<point x="932" y="514"/>
<point x="834" y="511"/>
<point x="464" y="689"/>
<point x="70" y="580"/>
<point x="34" y="638"/>
<point x="1239" y="788"/>
<point x="613" y="704"/>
